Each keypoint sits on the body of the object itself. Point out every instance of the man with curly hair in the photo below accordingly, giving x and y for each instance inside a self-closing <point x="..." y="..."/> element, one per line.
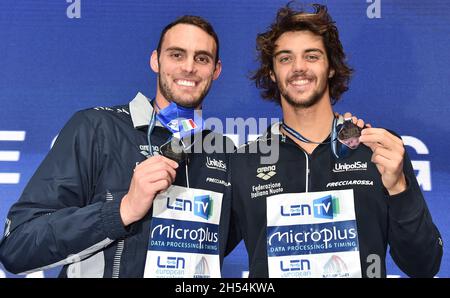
<point x="323" y="209"/>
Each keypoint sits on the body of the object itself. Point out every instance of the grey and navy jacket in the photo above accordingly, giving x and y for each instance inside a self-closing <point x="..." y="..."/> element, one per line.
<point x="401" y="221"/>
<point x="68" y="214"/>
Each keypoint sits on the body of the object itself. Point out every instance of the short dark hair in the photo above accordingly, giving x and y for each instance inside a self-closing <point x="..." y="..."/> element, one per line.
<point x="319" y="23"/>
<point x="191" y="20"/>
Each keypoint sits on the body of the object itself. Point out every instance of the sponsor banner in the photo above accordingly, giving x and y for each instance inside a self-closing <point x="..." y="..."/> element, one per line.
<point x="345" y="167"/>
<point x="310" y="208"/>
<point x="312" y="239"/>
<point x="188" y="204"/>
<point x="311" y="266"/>
<point x="215" y="164"/>
<point x="184" y="236"/>
<point x="178" y="265"/>
<point x="313" y="235"/>
<point x="350" y="183"/>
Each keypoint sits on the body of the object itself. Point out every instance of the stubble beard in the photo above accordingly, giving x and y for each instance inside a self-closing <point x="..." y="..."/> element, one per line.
<point x="313" y="99"/>
<point x="170" y="96"/>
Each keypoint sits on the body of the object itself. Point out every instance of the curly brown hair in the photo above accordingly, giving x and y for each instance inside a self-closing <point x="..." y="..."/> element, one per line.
<point x="319" y="23"/>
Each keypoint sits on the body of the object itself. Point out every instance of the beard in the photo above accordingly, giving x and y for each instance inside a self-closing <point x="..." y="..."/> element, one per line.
<point x="310" y="101"/>
<point x="187" y="103"/>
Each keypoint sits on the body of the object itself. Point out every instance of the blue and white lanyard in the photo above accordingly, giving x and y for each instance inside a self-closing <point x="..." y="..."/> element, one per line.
<point x="333" y="137"/>
<point x="151" y="126"/>
<point x="298" y="136"/>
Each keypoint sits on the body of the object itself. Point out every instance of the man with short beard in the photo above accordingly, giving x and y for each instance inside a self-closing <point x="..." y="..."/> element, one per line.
<point x="322" y="209"/>
<point x="120" y="194"/>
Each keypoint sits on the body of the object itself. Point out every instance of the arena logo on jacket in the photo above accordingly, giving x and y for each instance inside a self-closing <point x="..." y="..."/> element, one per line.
<point x="266" y="172"/>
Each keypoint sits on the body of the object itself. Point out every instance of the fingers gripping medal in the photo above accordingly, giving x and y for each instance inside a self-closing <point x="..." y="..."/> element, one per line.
<point x="173" y="150"/>
<point x="349" y="134"/>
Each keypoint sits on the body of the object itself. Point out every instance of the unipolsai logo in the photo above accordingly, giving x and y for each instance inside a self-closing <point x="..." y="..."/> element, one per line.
<point x="212" y="163"/>
<point x="345" y="167"/>
<point x="326" y="207"/>
<point x="201" y="206"/>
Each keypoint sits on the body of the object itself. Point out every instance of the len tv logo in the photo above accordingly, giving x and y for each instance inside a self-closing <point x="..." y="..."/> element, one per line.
<point x="295" y="210"/>
<point x="201" y="206"/>
<point x="326" y="207"/>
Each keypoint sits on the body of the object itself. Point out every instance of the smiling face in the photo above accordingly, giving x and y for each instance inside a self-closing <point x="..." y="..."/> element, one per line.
<point x="186" y="65"/>
<point x="301" y="69"/>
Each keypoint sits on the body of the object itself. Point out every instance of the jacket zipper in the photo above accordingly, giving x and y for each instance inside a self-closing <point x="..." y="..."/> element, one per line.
<point x="117" y="258"/>
<point x="307" y="170"/>
<point x="119" y="249"/>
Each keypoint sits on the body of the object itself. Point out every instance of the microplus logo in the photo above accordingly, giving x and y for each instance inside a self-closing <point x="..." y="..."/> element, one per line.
<point x="345" y="167"/>
<point x="326" y="207"/>
<point x="196" y="235"/>
<point x="323" y="236"/>
<point x="201" y="207"/>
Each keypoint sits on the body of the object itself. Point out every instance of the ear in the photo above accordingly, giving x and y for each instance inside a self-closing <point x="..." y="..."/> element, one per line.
<point x="218" y="70"/>
<point x="273" y="77"/>
<point x="331" y="73"/>
<point x="154" y="61"/>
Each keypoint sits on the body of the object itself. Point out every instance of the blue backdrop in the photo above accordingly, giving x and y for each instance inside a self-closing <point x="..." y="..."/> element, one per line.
<point x="60" y="56"/>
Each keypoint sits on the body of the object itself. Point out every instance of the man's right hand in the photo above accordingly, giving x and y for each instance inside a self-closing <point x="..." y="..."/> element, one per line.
<point x="150" y="177"/>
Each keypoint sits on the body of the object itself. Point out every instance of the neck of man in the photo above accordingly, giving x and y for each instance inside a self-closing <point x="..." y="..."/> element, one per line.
<point x="161" y="102"/>
<point x="313" y="123"/>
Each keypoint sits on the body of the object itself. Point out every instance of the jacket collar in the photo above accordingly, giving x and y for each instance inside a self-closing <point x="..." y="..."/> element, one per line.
<point x="141" y="111"/>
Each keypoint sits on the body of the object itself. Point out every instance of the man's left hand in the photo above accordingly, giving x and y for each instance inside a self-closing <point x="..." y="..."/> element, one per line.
<point x="388" y="152"/>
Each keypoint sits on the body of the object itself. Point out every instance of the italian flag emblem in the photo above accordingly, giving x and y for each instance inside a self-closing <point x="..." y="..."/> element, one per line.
<point x="187" y="125"/>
